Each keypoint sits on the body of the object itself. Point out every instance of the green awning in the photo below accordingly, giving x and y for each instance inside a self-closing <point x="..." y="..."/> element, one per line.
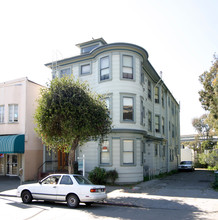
<point x="12" y="144"/>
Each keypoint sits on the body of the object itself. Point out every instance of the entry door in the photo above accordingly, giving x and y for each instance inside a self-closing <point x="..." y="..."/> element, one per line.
<point x="12" y="164"/>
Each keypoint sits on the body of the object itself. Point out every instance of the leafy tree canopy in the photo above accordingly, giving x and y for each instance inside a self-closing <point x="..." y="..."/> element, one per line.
<point x="69" y="114"/>
<point x="209" y="93"/>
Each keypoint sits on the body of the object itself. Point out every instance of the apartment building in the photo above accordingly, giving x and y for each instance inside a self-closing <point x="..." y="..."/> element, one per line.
<point x="145" y="139"/>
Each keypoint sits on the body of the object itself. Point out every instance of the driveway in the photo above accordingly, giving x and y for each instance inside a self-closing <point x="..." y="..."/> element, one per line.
<point x="189" y="194"/>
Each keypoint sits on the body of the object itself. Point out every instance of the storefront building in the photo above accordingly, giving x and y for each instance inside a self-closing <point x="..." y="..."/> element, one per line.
<point x="21" y="151"/>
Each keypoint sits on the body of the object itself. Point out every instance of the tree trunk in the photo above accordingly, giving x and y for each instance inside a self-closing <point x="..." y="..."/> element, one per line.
<point x="71" y="157"/>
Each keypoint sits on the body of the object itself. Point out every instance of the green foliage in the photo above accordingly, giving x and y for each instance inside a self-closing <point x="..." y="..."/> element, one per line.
<point x="209" y="159"/>
<point x="98" y="176"/>
<point x="69" y="114"/>
<point x="209" y="93"/>
<point x="208" y="145"/>
<point x="67" y="109"/>
<point x="112" y="175"/>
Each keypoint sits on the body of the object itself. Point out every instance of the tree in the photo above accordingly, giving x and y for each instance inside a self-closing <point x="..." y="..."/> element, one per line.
<point x="209" y="93"/>
<point x="70" y="114"/>
<point x="201" y="126"/>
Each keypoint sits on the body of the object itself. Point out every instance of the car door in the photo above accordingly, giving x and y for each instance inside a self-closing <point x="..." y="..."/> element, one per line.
<point x="47" y="189"/>
<point x="64" y="187"/>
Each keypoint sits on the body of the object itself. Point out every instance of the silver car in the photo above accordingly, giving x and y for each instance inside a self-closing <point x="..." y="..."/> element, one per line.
<point x="186" y="165"/>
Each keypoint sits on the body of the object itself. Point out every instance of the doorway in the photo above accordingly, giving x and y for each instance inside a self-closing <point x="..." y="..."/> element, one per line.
<point x="12" y="164"/>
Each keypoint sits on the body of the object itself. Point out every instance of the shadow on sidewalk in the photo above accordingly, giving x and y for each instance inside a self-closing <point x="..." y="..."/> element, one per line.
<point x="9" y="182"/>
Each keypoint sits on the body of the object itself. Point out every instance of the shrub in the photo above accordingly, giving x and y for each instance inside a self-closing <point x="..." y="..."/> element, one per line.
<point x="98" y="176"/>
<point x="112" y="175"/>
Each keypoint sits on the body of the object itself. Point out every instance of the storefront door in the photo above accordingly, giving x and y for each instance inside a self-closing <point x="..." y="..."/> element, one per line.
<point x="12" y="164"/>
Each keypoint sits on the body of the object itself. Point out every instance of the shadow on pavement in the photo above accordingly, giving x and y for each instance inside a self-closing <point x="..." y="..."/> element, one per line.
<point x="153" y="210"/>
<point x="9" y="182"/>
<point x="197" y="184"/>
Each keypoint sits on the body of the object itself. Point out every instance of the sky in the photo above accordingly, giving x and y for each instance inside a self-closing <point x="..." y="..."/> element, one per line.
<point x="180" y="36"/>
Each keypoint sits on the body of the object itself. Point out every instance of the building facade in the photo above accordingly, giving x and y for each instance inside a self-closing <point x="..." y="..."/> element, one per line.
<point x="21" y="151"/>
<point x="145" y="139"/>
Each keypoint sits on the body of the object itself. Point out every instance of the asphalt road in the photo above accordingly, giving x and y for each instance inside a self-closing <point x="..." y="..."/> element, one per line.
<point x="185" y="195"/>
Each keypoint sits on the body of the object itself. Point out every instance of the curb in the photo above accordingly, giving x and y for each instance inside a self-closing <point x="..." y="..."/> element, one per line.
<point x="6" y="195"/>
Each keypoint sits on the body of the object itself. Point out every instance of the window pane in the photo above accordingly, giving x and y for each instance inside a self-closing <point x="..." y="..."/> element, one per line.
<point x="128" y="157"/>
<point x="15" y="112"/>
<point x="104" y="62"/>
<point x="65" y="72"/>
<point x="2" y="112"/>
<point x="128" y="109"/>
<point x="127" y="61"/>
<point x="104" y="74"/>
<point x="128" y="145"/>
<point x="85" y="69"/>
<point x="105" y="153"/>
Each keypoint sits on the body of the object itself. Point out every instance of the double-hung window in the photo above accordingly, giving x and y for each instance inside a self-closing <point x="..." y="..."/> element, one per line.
<point x="109" y="105"/>
<point x="149" y="89"/>
<point x="155" y="150"/>
<point x="127" y="69"/>
<point x="2" y="113"/>
<point x="157" y="123"/>
<point x="149" y="121"/>
<point x="13" y="113"/>
<point x="142" y="109"/>
<point x="105" y="154"/>
<point x="163" y="125"/>
<point x="128" y="152"/>
<point x="104" y="68"/>
<point x="65" y="72"/>
<point x="85" y="69"/>
<point x="128" y="105"/>
<point x="156" y="95"/>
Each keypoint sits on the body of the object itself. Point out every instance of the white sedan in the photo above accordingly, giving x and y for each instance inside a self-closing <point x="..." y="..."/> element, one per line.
<point x="70" y="188"/>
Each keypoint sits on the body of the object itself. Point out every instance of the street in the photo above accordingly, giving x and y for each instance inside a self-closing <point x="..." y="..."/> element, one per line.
<point x="186" y="195"/>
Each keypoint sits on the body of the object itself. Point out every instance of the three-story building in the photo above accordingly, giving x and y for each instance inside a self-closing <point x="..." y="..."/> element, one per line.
<point x="145" y="139"/>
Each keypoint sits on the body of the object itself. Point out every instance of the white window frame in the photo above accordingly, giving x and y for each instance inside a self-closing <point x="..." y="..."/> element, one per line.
<point x="104" y="68"/>
<point x="123" y="66"/>
<point x="149" y="90"/>
<point x="150" y="121"/>
<point x="133" y="97"/>
<point x="86" y="73"/>
<point x="125" y="152"/>
<point x="109" y="98"/>
<point x="157" y="95"/>
<point x="2" y="113"/>
<point x="13" y="115"/>
<point x="157" y="123"/>
<point x="61" y="75"/>
<point x="142" y="111"/>
<point x="107" y="151"/>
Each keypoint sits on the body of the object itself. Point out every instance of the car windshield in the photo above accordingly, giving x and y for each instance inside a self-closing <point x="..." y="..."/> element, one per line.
<point x="82" y="180"/>
<point x="186" y="162"/>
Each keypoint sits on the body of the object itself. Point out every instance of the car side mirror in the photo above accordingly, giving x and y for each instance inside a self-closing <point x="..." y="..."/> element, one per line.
<point x="40" y="182"/>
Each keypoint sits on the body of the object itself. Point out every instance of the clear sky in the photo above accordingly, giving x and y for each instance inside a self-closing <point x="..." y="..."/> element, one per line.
<point x="180" y="37"/>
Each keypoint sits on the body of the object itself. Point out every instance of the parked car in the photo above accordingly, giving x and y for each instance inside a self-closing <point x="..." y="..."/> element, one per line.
<point x="69" y="188"/>
<point x="186" y="165"/>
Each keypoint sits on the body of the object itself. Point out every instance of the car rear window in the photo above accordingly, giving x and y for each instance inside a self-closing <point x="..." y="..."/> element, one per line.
<point x="82" y="180"/>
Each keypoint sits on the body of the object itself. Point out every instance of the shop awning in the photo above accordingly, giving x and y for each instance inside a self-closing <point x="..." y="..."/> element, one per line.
<point x="12" y="144"/>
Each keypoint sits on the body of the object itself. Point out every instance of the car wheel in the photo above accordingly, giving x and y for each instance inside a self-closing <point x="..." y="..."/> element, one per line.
<point x="72" y="201"/>
<point x="89" y="203"/>
<point x="26" y="197"/>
